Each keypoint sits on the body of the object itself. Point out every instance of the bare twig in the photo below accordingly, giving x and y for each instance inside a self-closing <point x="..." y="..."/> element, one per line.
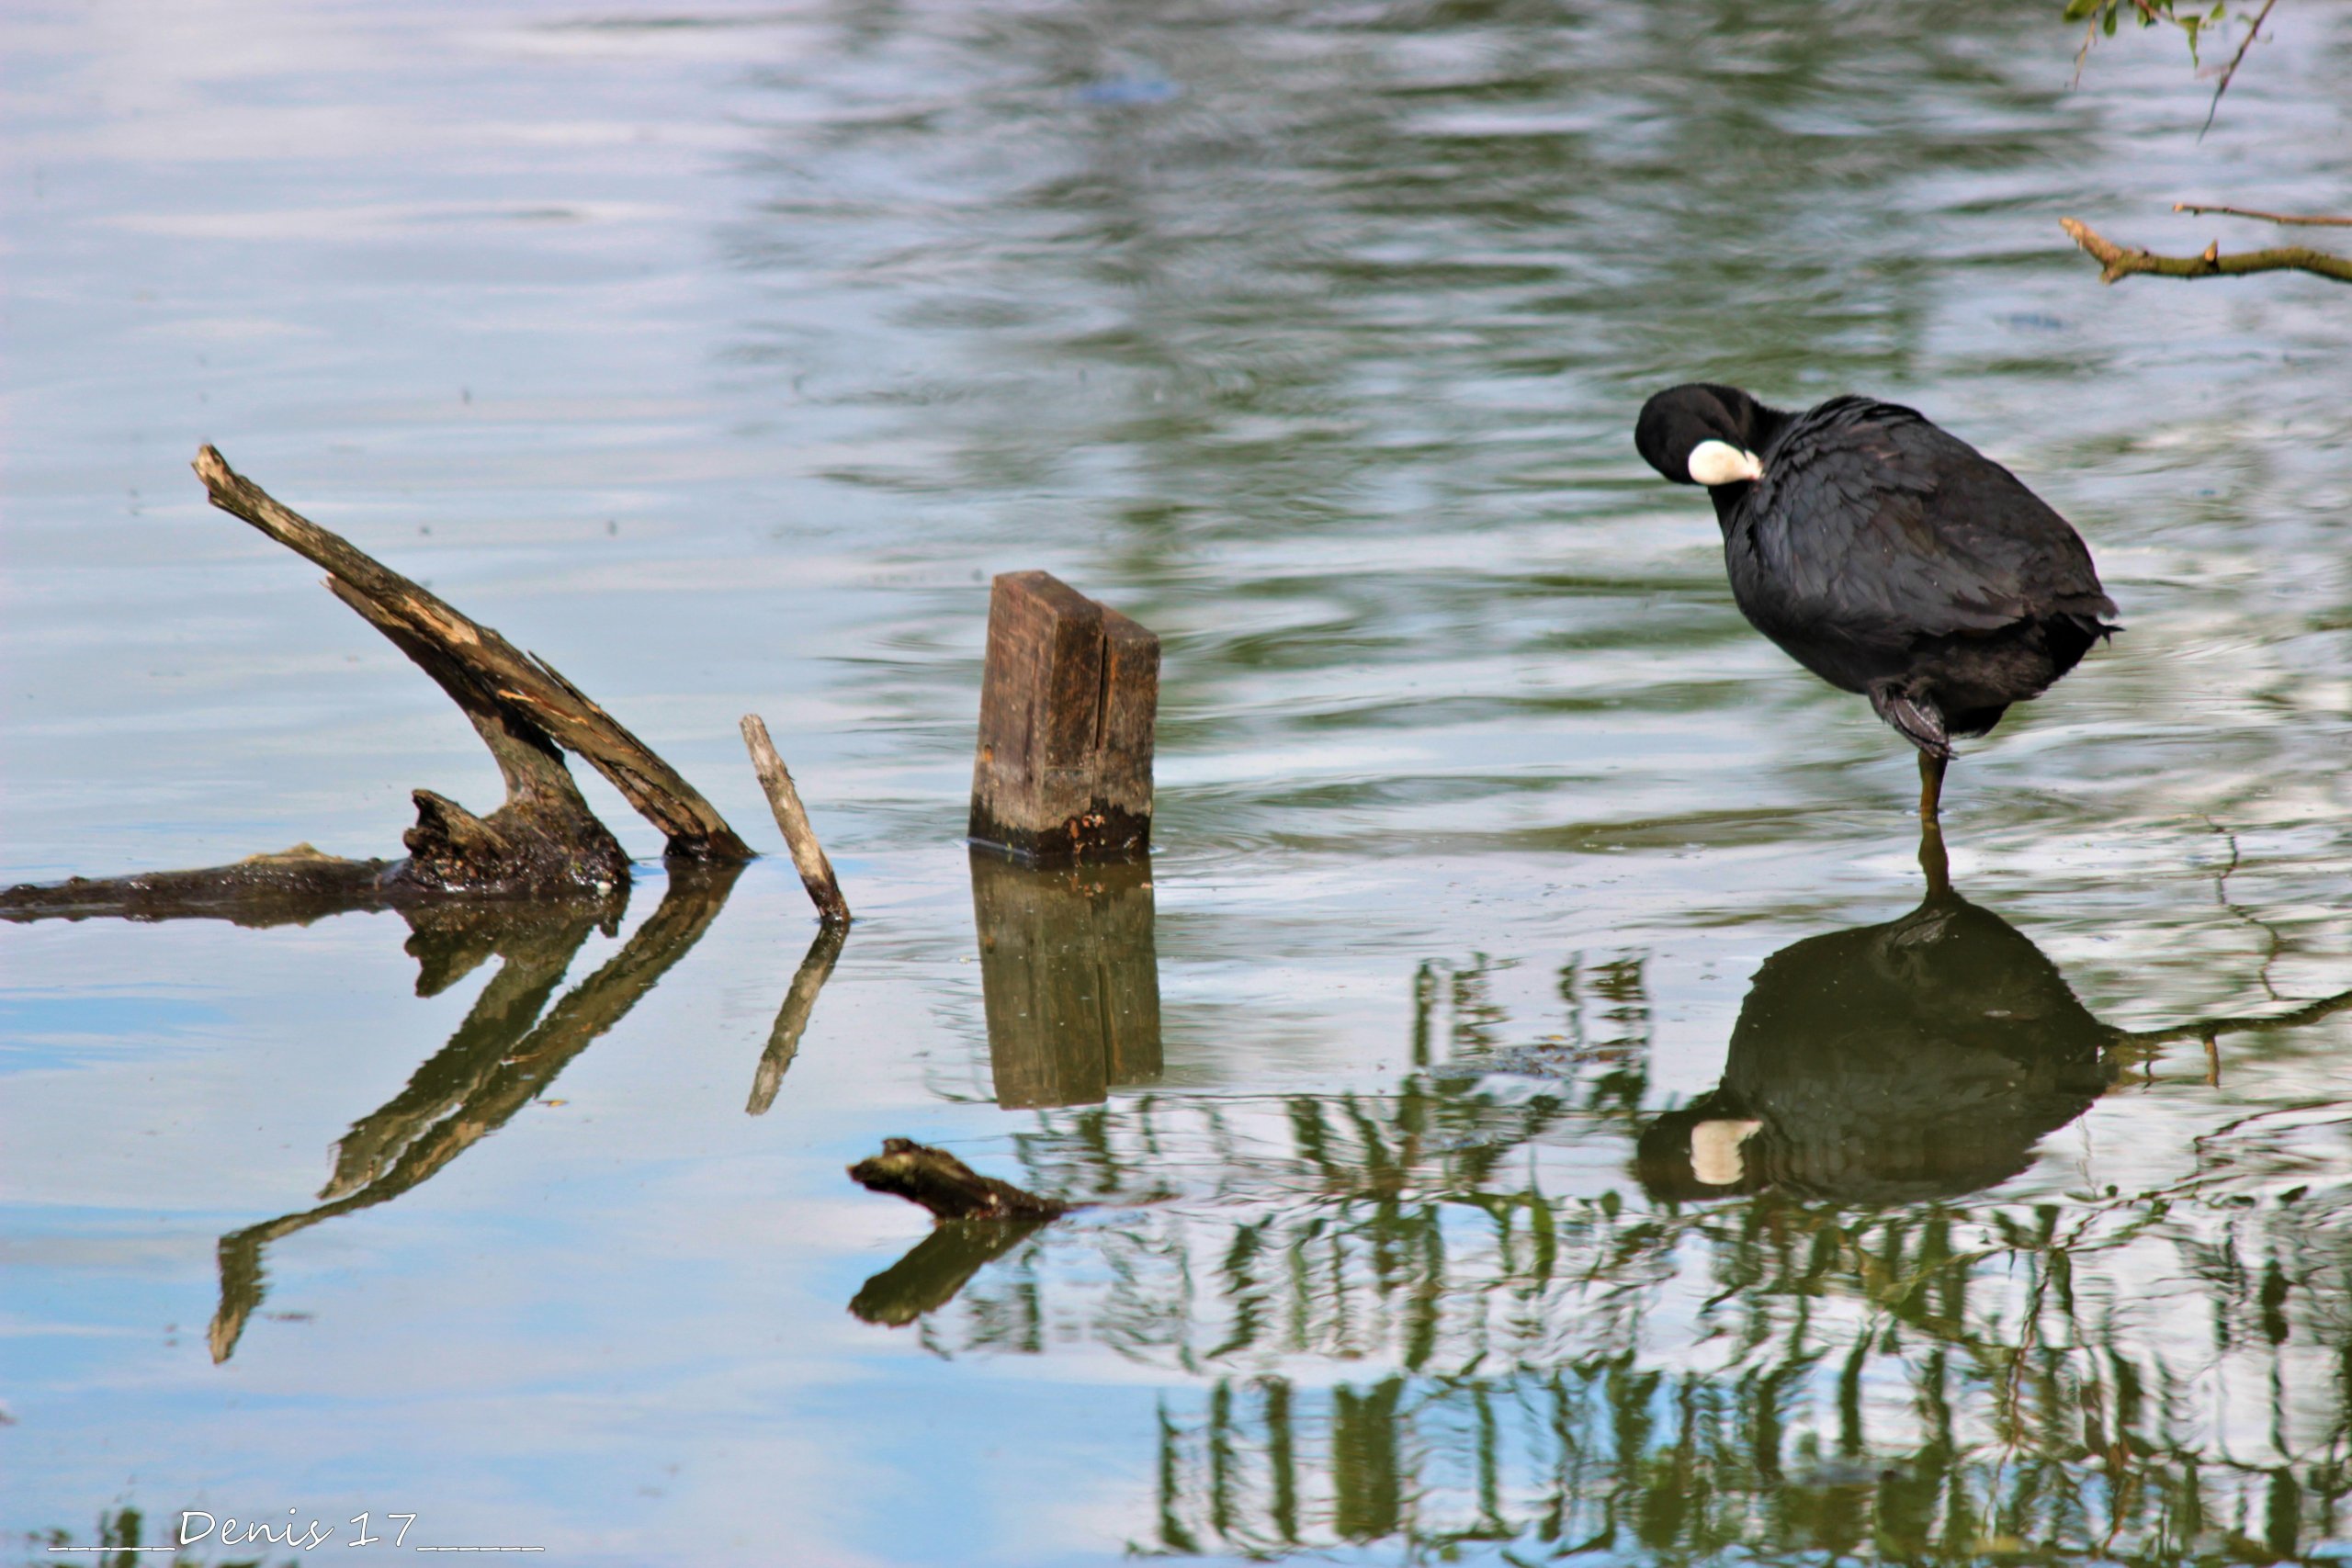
<point x="2265" y="217"/>
<point x="2121" y="262"/>
<point x="2211" y="1029"/>
<point x="808" y="855"/>
<point x="2229" y="73"/>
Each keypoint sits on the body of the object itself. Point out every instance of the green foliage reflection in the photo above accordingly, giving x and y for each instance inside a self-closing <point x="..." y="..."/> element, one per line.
<point x="1507" y="1312"/>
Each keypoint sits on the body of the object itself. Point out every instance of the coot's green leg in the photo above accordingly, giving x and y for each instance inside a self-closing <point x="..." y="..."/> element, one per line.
<point x="1931" y="786"/>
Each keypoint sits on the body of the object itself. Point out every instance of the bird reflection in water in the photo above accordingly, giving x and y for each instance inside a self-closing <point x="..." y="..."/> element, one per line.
<point x="1919" y="1059"/>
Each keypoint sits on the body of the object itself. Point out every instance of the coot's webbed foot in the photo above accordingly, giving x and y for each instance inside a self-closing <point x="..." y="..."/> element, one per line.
<point x="1918" y="722"/>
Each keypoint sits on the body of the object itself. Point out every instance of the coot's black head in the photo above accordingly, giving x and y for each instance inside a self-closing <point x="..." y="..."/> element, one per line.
<point x="1704" y="435"/>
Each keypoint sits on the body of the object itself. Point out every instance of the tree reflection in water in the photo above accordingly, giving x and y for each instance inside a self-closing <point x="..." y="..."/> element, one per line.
<point x="1819" y="1334"/>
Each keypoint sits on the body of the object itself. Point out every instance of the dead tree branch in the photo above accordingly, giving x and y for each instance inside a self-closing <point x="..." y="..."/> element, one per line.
<point x="2265" y="217"/>
<point x="792" y="819"/>
<point x="542" y="841"/>
<point x="2121" y="262"/>
<point x="524" y="683"/>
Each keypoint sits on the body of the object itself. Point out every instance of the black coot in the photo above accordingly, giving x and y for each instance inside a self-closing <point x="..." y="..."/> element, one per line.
<point x="1886" y="556"/>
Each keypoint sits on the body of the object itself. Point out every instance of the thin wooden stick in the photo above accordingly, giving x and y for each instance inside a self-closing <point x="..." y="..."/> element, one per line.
<point x="2265" y="217"/>
<point x="2230" y="73"/>
<point x="2121" y="262"/>
<point x="808" y="855"/>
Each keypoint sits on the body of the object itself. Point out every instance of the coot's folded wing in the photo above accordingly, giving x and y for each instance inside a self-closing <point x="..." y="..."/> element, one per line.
<point x="1878" y="526"/>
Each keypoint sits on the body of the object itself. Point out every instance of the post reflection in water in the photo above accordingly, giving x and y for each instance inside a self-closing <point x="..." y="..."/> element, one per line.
<point x="1440" y="1316"/>
<point x="508" y="1050"/>
<point x="1070" y="980"/>
<point x="1071" y="977"/>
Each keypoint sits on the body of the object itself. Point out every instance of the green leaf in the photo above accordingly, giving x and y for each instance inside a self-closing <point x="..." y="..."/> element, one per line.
<point x="2077" y="9"/>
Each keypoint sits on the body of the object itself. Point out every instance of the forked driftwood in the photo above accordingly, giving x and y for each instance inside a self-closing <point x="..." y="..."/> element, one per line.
<point x="544" y="841"/>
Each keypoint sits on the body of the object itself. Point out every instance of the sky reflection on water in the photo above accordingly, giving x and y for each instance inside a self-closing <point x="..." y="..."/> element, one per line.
<point x="1509" y="886"/>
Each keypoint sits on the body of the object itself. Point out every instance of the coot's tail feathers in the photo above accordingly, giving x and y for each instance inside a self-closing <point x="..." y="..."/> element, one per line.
<point x="1915" y="721"/>
<point x="2093" y="607"/>
<point x="2072" y="634"/>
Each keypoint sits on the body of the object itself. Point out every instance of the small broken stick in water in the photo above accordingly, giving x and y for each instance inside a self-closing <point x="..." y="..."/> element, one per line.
<point x="979" y="1220"/>
<point x="947" y="1187"/>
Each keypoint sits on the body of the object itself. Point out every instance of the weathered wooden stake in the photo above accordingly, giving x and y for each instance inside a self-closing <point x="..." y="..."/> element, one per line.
<point x="792" y="820"/>
<point x="1068" y="702"/>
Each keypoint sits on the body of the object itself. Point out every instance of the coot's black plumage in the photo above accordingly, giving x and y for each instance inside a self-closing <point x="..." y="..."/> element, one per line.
<point x="1888" y="556"/>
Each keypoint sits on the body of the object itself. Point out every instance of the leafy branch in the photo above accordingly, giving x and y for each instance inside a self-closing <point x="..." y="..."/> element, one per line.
<point x="2102" y="18"/>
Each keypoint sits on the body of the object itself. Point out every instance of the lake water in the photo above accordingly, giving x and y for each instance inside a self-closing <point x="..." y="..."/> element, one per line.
<point x="1532" y="1120"/>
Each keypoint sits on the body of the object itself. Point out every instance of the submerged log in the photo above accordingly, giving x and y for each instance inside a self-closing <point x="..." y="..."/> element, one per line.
<point x="291" y="888"/>
<point x="542" y="841"/>
<point x="947" y="1187"/>
<point x="979" y="1220"/>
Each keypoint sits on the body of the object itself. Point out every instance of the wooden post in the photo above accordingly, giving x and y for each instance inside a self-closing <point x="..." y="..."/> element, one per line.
<point x="1068" y="703"/>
